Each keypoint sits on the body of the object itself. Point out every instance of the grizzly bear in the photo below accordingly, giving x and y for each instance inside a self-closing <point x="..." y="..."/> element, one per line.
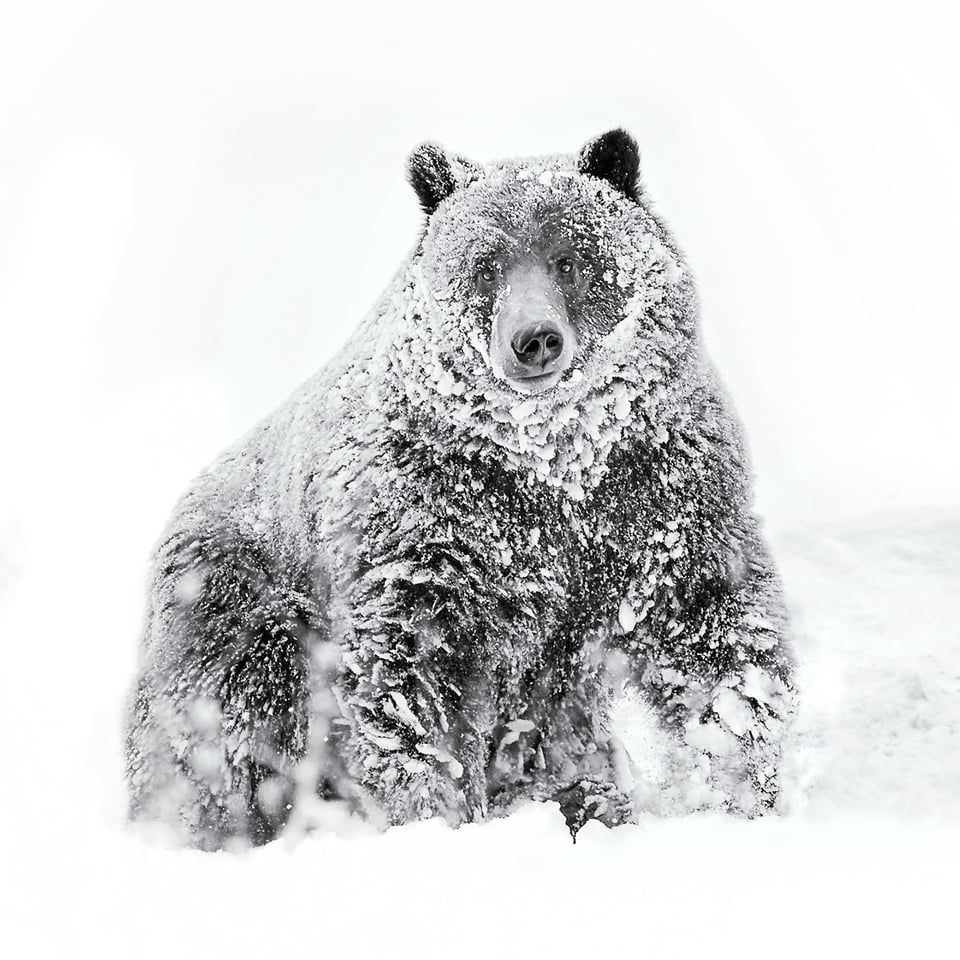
<point x="518" y="494"/>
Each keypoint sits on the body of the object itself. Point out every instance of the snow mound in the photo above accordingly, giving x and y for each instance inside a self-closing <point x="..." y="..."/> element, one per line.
<point x="878" y="638"/>
<point x="861" y="861"/>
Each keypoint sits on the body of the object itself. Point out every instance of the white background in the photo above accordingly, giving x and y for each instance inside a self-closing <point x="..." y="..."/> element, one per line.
<point x="198" y="202"/>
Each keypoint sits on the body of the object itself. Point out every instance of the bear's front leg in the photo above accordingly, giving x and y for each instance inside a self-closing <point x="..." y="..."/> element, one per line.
<point x="220" y="715"/>
<point x="714" y="660"/>
<point x="418" y="668"/>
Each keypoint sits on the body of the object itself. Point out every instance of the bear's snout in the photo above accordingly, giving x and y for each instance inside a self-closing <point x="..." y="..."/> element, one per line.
<point x="532" y="341"/>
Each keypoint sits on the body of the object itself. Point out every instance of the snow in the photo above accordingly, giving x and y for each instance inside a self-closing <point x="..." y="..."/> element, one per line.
<point x="861" y="859"/>
<point x="879" y="725"/>
<point x="180" y="248"/>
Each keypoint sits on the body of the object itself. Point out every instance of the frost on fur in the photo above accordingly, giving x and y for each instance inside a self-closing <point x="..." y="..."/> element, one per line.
<point x="425" y="584"/>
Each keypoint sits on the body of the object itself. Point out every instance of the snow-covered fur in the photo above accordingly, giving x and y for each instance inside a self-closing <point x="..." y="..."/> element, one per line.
<point x="415" y="590"/>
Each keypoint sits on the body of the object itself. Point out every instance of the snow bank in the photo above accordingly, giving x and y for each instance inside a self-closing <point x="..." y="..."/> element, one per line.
<point x="879" y="640"/>
<point x="862" y="859"/>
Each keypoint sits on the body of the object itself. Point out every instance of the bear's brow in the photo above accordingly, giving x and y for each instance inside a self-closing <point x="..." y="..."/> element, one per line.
<point x="499" y="243"/>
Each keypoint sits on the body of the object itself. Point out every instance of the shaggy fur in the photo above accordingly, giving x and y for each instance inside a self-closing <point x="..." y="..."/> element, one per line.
<point x="414" y="591"/>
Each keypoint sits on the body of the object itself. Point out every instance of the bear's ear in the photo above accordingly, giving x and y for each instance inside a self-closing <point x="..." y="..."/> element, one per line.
<point x="430" y="173"/>
<point x="614" y="157"/>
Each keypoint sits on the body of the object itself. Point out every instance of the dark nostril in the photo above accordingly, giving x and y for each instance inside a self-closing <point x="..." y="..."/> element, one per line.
<point x="526" y="345"/>
<point x="553" y="344"/>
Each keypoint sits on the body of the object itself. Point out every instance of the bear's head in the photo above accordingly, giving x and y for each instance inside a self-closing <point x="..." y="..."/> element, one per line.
<point x="546" y="307"/>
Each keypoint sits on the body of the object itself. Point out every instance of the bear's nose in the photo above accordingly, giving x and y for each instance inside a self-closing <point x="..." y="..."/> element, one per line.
<point x="536" y="345"/>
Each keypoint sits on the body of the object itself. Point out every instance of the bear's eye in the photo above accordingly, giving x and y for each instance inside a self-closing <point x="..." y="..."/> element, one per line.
<point x="486" y="274"/>
<point x="565" y="266"/>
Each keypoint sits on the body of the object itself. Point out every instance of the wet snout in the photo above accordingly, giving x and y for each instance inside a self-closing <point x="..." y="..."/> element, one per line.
<point x="532" y="342"/>
<point x="536" y="346"/>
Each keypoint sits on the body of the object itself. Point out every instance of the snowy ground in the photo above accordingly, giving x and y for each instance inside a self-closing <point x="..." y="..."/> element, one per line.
<point x="861" y="862"/>
<point x="879" y="638"/>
